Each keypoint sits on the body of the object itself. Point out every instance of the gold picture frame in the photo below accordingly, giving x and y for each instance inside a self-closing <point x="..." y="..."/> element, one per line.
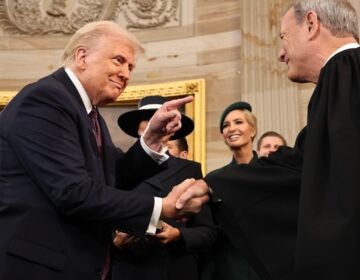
<point x="195" y="110"/>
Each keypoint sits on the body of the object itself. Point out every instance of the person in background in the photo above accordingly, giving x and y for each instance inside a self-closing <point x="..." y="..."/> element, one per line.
<point x="269" y="142"/>
<point x="57" y="164"/>
<point x="238" y="127"/>
<point x="176" y="251"/>
<point x="178" y="148"/>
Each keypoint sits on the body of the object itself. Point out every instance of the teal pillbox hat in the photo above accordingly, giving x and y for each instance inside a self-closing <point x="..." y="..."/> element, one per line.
<point x="240" y="105"/>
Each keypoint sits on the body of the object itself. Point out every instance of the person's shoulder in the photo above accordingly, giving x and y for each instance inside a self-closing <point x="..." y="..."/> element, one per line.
<point x="185" y="161"/>
<point x="44" y="86"/>
<point x="343" y="57"/>
<point x="53" y="81"/>
<point x="34" y="90"/>
<point x="218" y="171"/>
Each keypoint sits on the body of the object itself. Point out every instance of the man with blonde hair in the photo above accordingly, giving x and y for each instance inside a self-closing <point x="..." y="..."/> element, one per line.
<point x="57" y="165"/>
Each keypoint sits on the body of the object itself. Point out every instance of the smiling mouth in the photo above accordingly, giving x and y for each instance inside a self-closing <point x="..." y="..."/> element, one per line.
<point x="233" y="137"/>
<point x="118" y="85"/>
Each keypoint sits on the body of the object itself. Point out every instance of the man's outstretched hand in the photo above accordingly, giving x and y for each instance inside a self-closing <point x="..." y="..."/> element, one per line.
<point x="185" y="198"/>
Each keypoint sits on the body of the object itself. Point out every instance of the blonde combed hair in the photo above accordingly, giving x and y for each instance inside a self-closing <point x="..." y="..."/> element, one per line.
<point x="90" y="33"/>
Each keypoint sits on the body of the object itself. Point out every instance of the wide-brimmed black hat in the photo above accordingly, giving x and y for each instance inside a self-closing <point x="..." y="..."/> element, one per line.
<point x="147" y="106"/>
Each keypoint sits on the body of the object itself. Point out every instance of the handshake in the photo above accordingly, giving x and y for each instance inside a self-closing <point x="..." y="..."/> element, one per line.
<point x="185" y="198"/>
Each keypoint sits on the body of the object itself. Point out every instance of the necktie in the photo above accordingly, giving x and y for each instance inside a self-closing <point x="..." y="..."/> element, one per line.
<point x="106" y="268"/>
<point x="95" y="126"/>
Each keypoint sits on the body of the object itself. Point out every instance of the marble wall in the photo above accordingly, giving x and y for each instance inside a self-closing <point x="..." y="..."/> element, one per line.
<point x="232" y="44"/>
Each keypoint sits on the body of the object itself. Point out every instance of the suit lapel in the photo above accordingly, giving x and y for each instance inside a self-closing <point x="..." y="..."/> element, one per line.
<point x="61" y="76"/>
<point x="64" y="79"/>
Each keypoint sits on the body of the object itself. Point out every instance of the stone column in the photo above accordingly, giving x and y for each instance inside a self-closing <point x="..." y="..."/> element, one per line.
<point x="279" y="104"/>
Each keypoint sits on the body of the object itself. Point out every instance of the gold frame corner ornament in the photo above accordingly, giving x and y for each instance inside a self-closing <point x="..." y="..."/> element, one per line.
<point x="195" y="110"/>
<point x="5" y="97"/>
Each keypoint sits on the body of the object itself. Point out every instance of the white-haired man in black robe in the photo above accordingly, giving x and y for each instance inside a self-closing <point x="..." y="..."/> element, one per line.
<point x="317" y="236"/>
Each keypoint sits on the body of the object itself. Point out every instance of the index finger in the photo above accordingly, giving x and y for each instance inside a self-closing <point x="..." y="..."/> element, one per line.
<point x="177" y="103"/>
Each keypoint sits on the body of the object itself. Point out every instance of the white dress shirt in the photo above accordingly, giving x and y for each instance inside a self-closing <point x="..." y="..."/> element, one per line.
<point x="343" y="48"/>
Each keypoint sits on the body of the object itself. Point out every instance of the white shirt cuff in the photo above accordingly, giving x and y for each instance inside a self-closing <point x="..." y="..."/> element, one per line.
<point x="155" y="217"/>
<point x="159" y="157"/>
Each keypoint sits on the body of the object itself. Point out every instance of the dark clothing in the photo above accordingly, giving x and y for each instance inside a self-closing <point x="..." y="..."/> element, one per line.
<point x="225" y="261"/>
<point x="265" y="209"/>
<point x="328" y="243"/>
<point x="56" y="206"/>
<point x="148" y="258"/>
<point x="258" y="211"/>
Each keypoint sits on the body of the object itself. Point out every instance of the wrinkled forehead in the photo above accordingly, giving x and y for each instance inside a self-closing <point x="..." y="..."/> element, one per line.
<point x="287" y="20"/>
<point x="288" y="16"/>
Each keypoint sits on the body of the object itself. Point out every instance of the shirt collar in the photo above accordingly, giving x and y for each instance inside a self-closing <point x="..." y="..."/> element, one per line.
<point x="83" y="94"/>
<point x="343" y="48"/>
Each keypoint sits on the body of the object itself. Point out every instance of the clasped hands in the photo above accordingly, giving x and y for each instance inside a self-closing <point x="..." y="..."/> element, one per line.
<point x="184" y="199"/>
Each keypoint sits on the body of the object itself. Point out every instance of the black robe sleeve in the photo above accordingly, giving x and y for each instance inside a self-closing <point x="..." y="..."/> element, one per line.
<point x="259" y="207"/>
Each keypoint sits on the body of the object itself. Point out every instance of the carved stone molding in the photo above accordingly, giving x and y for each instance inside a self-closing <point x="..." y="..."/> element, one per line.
<point x="36" y="17"/>
<point x="142" y="14"/>
<point x="42" y="17"/>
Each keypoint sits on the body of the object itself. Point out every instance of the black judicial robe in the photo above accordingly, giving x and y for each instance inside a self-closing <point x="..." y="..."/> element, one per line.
<point x="259" y="204"/>
<point x="256" y="207"/>
<point x="328" y="243"/>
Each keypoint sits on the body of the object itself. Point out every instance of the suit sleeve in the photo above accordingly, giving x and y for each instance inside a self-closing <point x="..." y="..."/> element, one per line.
<point x="135" y="159"/>
<point x="201" y="232"/>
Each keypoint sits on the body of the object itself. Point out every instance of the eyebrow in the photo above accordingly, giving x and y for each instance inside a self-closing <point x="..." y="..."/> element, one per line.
<point x="131" y="65"/>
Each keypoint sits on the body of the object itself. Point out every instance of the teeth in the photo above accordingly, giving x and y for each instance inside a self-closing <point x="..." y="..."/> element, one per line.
<point x="234" y="137"/>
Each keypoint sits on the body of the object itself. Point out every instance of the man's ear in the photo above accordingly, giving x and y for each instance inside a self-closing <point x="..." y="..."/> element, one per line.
<point x="313" y="24"/>
<point x="183" y="154"/>
<point x="80" y="57"/>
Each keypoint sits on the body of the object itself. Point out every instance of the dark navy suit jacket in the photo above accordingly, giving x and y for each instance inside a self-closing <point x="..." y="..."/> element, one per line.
<point x="57" y="208"/>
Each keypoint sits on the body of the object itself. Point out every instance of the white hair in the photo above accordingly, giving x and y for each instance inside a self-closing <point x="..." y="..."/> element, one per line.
<point x="338" y="16"/>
